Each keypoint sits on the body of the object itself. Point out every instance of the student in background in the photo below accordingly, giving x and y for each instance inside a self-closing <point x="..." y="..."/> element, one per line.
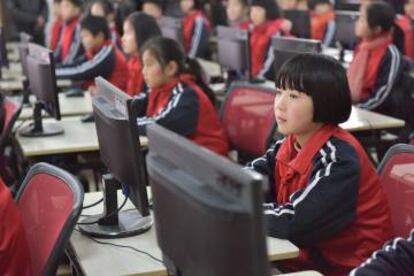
<point x="138" y="28"/>
<point x="69" y="46"/>
<point x="322" y="21"/>
<point x="56" y="26"/>
<point x="153" y="8"/>
<point x="177" y="97"/>
<point x="196" y="28"/>
<point x="237" y="13"/>
<point x="106" y="9"/>
<point x="266" y="22"/>
<point x="102" y="57"/>
<point x="288" y="4"/>
<point x="377" y="63"/>
<point x="325" y="195"/>
<point x="14" y="250"/>
<point x="406" y="23"/>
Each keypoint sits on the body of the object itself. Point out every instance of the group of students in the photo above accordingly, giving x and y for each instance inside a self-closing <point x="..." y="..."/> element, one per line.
<point x="325" y="195"/>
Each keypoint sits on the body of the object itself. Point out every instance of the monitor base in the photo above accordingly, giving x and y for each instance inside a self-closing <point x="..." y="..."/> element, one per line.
<point x="49" y="129"/>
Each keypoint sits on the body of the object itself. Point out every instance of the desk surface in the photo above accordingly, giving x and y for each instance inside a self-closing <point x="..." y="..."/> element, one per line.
<point x="16" y="84"/>
<point x="210" y="67"/>
<point x="97" y="259"/>
<point x="71" y="106"/>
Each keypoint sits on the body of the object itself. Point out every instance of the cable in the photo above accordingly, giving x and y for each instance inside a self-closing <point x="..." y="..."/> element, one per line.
<point x="123" y="246"/>
<point x="110" y="214"/>
<point x="93" y="204"/>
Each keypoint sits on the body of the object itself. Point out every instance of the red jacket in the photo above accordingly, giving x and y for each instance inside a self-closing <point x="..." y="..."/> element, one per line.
<point x="405" y="23"/>
<point x="14" y="250"/>
<point x="184" y="108"/>
<point x="55" y="32"/>
<point x="69" y="46"/>
<point x="323" y="27"/>
<point x="136" y="82"/>
<point x="327" y="199"/>
<point x="196" y="29"/>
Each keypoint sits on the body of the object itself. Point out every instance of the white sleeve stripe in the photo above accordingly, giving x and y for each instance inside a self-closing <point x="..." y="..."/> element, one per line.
<point x="268" y="62"/>
<point x="74" y="48"/>
<point x="383" y="92"/>
<point x="97" y="60"/>
<point x="195" y="42"/>
<point x="329" y="34"/>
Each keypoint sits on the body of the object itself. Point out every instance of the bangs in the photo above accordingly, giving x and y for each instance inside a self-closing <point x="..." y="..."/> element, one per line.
<point x="291" y="76"/>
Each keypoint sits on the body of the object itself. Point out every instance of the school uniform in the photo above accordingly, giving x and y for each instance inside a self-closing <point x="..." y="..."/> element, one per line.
<point x="196" y="31"/>
<point x="406" y="24"/>
<point x="116" y="39"/>
<point x="54" y="35"/>
<point x="395" y="258"/>
<point x="327" y="199"/>
<point x="107" y="61"/>
<point x="136" y="82"/>
<point x="14" y="250"/>
<point x="375" y="70"/>
<point x="184" y="108"/>
<point x="70" y="45"/>
<point x="323" y="27"/>
<point x="261" y="52"/>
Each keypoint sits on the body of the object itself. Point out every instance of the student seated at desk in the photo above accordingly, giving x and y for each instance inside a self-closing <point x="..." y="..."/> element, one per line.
<point x="138" y="28"/>
<point x="266" y="22"/>
<point x="154" y="8"/>
<point x="56" y="26"/>
<point x="406" y="22"/>
<point x="178" y="100"/>
<point x="196" y="28"/>
<point x="102" y="57"/>
<point x="14" y="249"/>
<point x="237" y="13"/>
<point x="69" y="46"/>
<point x="326" y="196"/>
<point x="322" y="21"/>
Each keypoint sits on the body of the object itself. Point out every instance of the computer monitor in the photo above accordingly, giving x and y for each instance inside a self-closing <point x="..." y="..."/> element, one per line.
<point x="120" y="151"/>
<point x="23" y="49"/>
<point x="234" y="50"/>
<point x="347" y="5"/>
<point x="172" y="27"/>
<point x="300" y="22"/>
<point x="345" y="29"/>
<point x="4" y="61"/>
<point x="42" y="79"/>
<point x="207" y="210"/>
<point x="285" y="48"/>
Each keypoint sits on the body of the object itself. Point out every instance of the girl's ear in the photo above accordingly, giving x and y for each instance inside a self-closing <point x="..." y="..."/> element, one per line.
<point x="171" y="69"/>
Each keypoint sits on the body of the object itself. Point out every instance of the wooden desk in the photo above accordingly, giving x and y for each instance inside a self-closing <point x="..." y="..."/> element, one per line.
<point x="97" y="259"/>
<point x="72" y="106"/>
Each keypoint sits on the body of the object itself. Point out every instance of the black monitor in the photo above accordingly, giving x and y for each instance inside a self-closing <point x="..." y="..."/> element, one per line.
<point x="285" y="48"/>
<point x="234" y="50"/>
<point x="4" y="61"/>
<point x="171" y="27"/>
<point x="300" y="22"/>
<point x="347" y="5"/>
<point x="207" y="210"/>
<point x="23" y="49"/>
<point x="345" y="29"/>
<point x="120" y="152"/>
<point x="42" y="79"/>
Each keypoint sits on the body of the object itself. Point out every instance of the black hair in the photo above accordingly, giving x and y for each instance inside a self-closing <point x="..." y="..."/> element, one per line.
<point x="96" y="25"/>
<point x="324" y="80"/>
<point x="145" y="27"/>
<point x="313" y="3"/>
<point x="271" y="7"/>
<point x="380" y="14"/>
<point x="77" y="3"/>
<point x="166" y="50"/>
<point x="198" y="5"/>
<point x="107" y="6"/>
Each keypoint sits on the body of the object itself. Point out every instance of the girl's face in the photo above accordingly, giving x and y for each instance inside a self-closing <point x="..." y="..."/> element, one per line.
<point x="186" y="6"/>
<point x="152" y="9"/>
<point x="294" y="113"/>
<point x="257" y="15"/>
<point x="68" y="10"/>
<point x="362" y="29"/>
<point x="154" y="74"/>
<point x="97" y="10"/>
<point x="236" y="11"/>
<point x="129" y="42"/>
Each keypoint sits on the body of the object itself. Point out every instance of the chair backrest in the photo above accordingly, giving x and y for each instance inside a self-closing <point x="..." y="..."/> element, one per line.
<point x="50" y="201"/>
<point x="248" y="119"/>
<point x="12" y="111"/>
<point x="396" y="172"/>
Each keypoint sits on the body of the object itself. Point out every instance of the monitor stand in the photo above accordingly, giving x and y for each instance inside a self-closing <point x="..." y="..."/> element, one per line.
<point x="37" y="129"/>
<point x="113" y="223"/>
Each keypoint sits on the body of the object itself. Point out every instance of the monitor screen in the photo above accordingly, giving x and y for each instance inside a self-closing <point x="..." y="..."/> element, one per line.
<point x="233" y="49"/>
<point x="42" y="79"/>
<point x="345" y="28"/>
<point x="347" y="5"/>
<point x="285" y="48"/>
<point x="171" y="27"/>
<point x="4" y="61"/>
<point x="207" y="210"/>
<point x="300" y="22"/>
<point x="120" y="151"/>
